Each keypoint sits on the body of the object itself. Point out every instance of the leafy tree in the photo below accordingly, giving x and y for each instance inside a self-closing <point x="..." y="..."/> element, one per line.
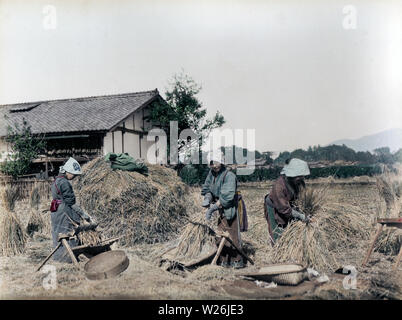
<point x="25" y="147"/>
<point x="398" y="156"/>
<point x="384" y="155"/>
<point x="282" y="157"/>
<point x="267" y="155"/>
<point x="184" y="107"/>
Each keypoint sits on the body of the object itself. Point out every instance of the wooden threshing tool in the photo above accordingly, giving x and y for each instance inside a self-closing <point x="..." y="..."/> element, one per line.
<point x="393" y="222"/>
<point x="63" y="241"/>
<point x="225" y="237"/>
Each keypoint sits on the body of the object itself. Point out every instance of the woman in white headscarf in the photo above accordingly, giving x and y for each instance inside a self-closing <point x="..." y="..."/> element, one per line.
<point x="65" y="214"/>
<point x="279" y="203"/>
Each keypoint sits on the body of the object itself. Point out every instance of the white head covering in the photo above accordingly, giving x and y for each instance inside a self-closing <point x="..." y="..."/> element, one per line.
<point x="71" y="166"/>
<point x="216" y="156"/>
<point x="295" y="168"/>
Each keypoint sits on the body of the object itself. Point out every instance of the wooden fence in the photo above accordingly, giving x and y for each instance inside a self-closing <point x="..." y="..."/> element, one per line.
<point x="25" y="186"/>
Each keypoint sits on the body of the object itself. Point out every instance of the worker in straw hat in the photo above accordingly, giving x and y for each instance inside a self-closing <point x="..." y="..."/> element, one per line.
<point x="65" y="214"/>
<point x="219" y="191"/>
<point x="279" y="203"/>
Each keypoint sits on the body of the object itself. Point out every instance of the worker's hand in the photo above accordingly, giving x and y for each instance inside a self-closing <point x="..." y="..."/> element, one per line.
<point x="298" y="215"/>
<point x="207" y="200"/>
<point x="210" y="211"/>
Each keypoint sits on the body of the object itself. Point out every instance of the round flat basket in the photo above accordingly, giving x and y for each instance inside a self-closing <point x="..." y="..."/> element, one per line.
<point x="284" y="274"/>
<point x="106" y="265"/>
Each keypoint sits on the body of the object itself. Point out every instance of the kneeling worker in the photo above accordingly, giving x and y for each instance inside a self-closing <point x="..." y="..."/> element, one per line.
<point x="219" y="191"/>
<point x="279" y="203"/>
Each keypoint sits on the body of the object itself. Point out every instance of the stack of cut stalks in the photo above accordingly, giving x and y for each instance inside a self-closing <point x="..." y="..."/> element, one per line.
<point x="389" y="189"/>
<point x="197" y="240"/>
<point x="38" y="221"/>
<point x="12" y="236"/>
<point x="333" y="228"/>
<point x="138" y="209"/>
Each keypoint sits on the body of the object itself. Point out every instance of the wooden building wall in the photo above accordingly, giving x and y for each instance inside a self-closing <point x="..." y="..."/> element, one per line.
<point x="134" y="140"/>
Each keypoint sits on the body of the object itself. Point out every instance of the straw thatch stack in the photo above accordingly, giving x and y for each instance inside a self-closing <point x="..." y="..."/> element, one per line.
<point x="137" y="208"/>
<point x="333" y="228"/>
<point x="12" y="236"/>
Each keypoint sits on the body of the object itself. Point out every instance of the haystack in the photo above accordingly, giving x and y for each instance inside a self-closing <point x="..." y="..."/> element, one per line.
<point x="137" y="208"/>
<point x="12" y="236"/>
<point x="333" y="228"/>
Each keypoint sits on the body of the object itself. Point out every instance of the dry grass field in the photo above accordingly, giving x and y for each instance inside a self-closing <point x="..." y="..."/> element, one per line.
<point x="144" y="279"/>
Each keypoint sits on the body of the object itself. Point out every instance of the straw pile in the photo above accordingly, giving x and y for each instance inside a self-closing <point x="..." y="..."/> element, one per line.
<point x="90" y="237"/>
<point x="12" y="236"/>
<point x="38" y="221"/>
<point x="385" y="191"/>
<point x="129" y="205"/>
<point x="389" y="241"/>
<point x="197" y="240"/>
<point x="333" y="228"/>
<point x="388" y="187"/>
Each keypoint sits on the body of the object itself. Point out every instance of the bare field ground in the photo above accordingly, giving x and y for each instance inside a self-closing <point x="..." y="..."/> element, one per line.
<point x="144" y="279"/>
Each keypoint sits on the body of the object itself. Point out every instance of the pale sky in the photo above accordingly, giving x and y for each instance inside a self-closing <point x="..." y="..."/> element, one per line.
<point x="288" y="69"/>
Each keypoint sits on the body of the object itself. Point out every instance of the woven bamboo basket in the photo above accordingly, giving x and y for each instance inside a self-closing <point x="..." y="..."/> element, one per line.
<point x="283" y="274"/>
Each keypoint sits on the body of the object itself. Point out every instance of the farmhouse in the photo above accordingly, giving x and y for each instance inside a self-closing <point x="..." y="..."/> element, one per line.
<point x="84" y="128"/>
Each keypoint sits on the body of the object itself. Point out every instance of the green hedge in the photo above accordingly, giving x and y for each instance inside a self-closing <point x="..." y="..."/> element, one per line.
<point x="196" y="174"/>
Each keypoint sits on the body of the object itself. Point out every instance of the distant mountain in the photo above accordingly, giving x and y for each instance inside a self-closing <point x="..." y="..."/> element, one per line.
<point x="390" y="138"/>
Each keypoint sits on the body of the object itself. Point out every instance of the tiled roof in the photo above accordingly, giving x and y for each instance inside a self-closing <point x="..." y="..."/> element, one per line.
<point x="100" y="113"/>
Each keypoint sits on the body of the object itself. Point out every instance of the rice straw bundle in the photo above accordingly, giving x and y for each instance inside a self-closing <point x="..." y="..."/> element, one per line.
<point x="333" y="228"/>
<point x="35" y="198"/>
<point x="9" y="196"/>
<point x="305" y="244"/>
<point x="12" y="236"/>
<point x="38" y="222"/>
<point x="197" y="238"/>
<point x="90" y="237"/>
<point x="311" y="200"/>
<point x="386" y="193"/>
<point x="389" y="241"/>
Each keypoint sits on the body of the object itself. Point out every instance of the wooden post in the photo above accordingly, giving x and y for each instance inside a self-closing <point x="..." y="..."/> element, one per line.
<point x="70" y="252"/>
<point x="48" y="257"/>
<point x="372" y="245"/>
<point x="46" y="170"/>
<point x="218" y="253"/>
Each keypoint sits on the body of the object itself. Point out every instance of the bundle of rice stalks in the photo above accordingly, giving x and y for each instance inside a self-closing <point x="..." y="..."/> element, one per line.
<point x="389" y="241"/>
<point x="9" y="196"/>
<point x="305" y="244"/>
<point x="311" y="200"/>
<point x="385" y="191"/>
<point x="197" y="239"/>
<point x="39" y="222"/>
<point x="12" y="236"/>
<point x="137" y="208"/>
<point x="386" y="285"/>
<point x="334" y="227"/>
<point x="90" y="237"/>
<point x="35" y="198"/>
